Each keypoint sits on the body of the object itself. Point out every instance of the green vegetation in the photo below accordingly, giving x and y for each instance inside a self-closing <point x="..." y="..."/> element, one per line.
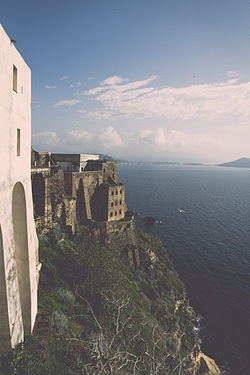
<point x="108" y="318"/>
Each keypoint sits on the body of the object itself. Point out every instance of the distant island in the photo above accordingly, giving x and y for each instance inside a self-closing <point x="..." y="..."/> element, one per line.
<point x="239" y="163"/>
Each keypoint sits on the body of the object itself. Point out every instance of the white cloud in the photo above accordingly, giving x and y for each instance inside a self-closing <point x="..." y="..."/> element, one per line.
<point x="115" y="80"/>
<point x="63" y="78"/>
<point x="68" y="102"/>
<point x="45" y="140"/>
<point x="110" y="138"/>
<point x="160" y="138"/>
<point x="79" y="136"/>
<point x="49" y="87"/>
<point x="232" y="74"/>
<point x="208" y="101"/>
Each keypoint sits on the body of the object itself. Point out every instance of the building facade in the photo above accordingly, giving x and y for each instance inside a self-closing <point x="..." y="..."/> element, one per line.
<point x="19" y="264"/>
<point x="73" y="162"/>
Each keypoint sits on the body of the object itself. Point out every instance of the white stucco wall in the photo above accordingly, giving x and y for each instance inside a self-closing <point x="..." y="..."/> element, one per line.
<point x="15" y="113"/>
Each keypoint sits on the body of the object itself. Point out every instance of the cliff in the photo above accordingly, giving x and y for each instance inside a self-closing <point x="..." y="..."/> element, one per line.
<point x="109" y="317"/>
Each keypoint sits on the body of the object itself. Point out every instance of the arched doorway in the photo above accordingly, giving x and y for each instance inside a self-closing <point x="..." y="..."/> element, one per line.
<point x="19" y="217"/>
<point x="4" y="321"/>
<point x="80" y="204"/>
<point x="38" y="193"/>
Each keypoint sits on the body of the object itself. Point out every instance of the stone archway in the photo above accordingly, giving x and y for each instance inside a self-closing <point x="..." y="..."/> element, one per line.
<point x="19" y="217"/>
<point x="80" y="204"/>
<point x="38" y="193"/>
<point x="4" y="320"/>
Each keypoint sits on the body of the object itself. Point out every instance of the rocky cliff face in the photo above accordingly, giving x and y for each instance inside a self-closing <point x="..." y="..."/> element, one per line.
<point x="135" y="315"/>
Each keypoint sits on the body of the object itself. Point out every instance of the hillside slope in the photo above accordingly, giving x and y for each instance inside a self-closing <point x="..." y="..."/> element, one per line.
<point x="109" y="318"/>
<point x="239" y="163"/>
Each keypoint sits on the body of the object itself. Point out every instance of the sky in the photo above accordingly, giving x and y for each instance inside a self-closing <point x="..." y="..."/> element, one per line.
<point x="165" y="80"/>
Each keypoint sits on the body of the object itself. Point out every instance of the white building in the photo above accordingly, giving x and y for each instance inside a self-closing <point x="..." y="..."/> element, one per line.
<point x="73" y="162"/>
<point x="18" y="240"/>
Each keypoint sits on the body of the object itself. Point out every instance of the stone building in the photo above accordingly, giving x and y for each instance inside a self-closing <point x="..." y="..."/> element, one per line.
<point x="73" y="162"/>
<point x="19" y="265"/>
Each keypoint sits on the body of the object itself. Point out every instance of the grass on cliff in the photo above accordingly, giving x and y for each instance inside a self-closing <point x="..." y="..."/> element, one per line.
<point x="108" y="318"/>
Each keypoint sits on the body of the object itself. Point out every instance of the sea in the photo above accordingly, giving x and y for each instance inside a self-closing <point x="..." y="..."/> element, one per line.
<point x="202" y="216"/>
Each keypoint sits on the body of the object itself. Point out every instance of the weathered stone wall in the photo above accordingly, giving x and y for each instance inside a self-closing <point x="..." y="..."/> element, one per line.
<point x="116" y="202"/>
<point x="118" y="236"/>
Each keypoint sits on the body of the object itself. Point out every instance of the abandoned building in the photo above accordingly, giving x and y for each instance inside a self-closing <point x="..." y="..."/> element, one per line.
<point x="90" y="188"/>
<point x="19" y="266"/>
<point x="73" y="162"/>
<point x="93" y="197"/>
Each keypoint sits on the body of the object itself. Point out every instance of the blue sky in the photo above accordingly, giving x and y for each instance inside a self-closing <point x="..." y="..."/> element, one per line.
<point x="137" y="79"/>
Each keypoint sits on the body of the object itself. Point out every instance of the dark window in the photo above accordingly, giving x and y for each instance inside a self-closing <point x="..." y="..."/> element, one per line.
<point x="104" y="170"/>
<point x="120" y="201"/>
<point x="14" y="78"/>
<point x="18" y="143"/>
<point x="115" y="213"/>
<point x="116" y="203"/>
<point x="111" y="214"/>
<point x="113" y="176"/>
<point x="112" y="193"/>
<point x="82" y="169"/>
<point x="120" y="191"/>
<point x="112" y="204"/>
<point x="116" y="193"/>
<point x="120" y="211"/>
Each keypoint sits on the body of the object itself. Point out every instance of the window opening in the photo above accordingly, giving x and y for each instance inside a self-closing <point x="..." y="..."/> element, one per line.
<point x="112" y="204"/>
<point x="18" y="144"/>
<point x="111" y="214"/>
<point x="115" y="213"/>
<point x="14" y="78"/>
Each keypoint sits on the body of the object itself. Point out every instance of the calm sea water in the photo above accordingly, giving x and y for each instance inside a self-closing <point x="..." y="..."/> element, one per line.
<point x="206" y="230"/>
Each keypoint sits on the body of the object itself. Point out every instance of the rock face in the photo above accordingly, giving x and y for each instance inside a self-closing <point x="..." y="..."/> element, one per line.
<point x="212" y="368"/>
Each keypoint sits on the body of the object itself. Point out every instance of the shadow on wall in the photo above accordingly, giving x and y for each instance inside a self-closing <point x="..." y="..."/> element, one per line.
<point x="38" y="192"/>
<point x="22" y="252"/>
<point x="81" y="204"/>
<point x="4" y="321"/>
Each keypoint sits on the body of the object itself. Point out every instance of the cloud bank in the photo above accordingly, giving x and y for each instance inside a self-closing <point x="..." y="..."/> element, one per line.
<point x="118" y="98"/>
